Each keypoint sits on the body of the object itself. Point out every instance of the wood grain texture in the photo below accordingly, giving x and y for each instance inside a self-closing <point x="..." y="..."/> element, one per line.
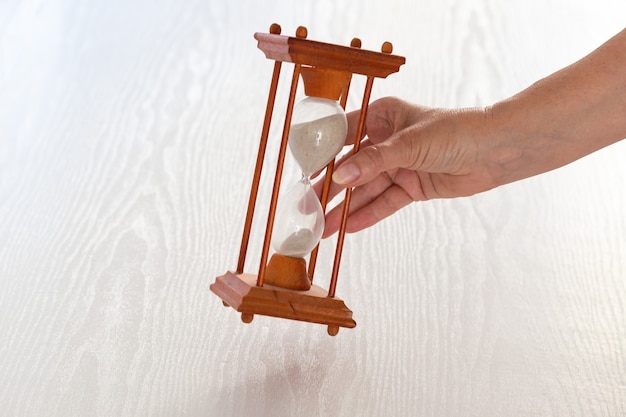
<point x="128" y="135"/>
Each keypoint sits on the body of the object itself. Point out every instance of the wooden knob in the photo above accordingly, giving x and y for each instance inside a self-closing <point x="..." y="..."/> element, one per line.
<point x="387" y="48"/>
<point x="247" y="317"/>
<point x="275" y="29"/>
<point x="302" y="32"/>
<point x="355" y="43"/>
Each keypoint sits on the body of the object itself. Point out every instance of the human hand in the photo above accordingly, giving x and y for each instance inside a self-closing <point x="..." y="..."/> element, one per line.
<point x="411" y="153"/>
<point x="414" y="153"/>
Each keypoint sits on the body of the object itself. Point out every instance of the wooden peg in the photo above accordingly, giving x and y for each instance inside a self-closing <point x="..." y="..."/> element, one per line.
<point x="275" y="29"/>
<point x="355" y="43"/>
<point x="302" y="32"/>
<point x="387" y="48"/>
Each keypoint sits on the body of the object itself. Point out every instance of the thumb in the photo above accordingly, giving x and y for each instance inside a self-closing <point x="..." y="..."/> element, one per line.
<point x="370" y="161"/>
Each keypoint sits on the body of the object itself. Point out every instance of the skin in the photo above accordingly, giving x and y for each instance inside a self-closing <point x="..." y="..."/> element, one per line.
<point x="414" y="153"/>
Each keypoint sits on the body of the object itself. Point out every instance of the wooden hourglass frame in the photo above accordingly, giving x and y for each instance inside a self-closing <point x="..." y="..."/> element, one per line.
<point x="327" y="70"/>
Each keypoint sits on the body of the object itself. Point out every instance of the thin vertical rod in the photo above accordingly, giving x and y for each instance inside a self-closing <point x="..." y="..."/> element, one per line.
<point x="325" y="191"/>
<point x="323" y="201"/>
<point x="271" y="99"/>
<point x="277" y="178"/>
<point x="346" y="201"/>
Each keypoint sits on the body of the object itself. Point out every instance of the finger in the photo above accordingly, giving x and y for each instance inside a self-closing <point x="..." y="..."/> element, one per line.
<point x="362" y="216"/>
<point x="397" y="152"/>
<point x="361" y="196"/>
<point x="392" y="200"/>
<point x="332" y="221"/>
<point x="385" y="116"/>
<point x="336" y="188"/>
<point x="333" y="191"/>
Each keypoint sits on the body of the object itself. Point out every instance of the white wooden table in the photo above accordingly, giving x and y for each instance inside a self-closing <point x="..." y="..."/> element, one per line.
<point x="128" y="136"/>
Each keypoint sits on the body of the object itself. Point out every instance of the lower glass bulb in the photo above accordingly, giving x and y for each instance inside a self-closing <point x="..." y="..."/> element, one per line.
<point x="299" y="221"/>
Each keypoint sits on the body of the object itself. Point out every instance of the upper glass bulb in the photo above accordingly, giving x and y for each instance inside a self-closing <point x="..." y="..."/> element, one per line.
<point x="317" y="134"/>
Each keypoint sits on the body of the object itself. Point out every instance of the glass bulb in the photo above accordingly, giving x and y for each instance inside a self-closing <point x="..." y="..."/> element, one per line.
<point x="317" y="134"/>
<point x="299" y="221"/>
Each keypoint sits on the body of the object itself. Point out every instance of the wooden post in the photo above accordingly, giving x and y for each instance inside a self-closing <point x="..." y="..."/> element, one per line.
<point x="278" y="176"/>
<point x="346" y="202"/>
<point x="256" y="179"/>
<point x="258" y="169"/>
<point x="356" y="43"/>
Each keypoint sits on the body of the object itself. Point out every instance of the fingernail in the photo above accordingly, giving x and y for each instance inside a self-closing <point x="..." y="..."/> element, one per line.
<point x="346" y="173"/>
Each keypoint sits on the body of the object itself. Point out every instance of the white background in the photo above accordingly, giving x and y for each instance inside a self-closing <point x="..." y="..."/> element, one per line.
<point x="128" y="134"/>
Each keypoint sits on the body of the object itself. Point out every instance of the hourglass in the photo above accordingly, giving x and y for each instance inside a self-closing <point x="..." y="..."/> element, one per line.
<point x="315" y="132"/>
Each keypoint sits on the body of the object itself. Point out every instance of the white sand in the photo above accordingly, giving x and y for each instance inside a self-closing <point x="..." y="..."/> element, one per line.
<point x="298" y="244"/>
<point x="314" y="144"/>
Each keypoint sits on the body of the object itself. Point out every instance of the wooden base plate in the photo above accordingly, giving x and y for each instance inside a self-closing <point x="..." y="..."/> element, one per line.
<point x="241" y="292"/>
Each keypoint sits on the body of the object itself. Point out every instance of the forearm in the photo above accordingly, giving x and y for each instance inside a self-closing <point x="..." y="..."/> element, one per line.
<point x="561" y="118"/>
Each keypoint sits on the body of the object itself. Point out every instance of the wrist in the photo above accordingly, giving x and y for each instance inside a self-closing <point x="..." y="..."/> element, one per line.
<point x="522" y="140"/>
